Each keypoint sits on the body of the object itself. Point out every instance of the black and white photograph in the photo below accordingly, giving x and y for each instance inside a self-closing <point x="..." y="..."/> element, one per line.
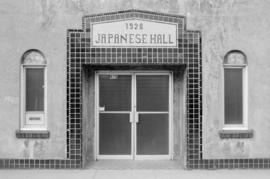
<point x="134" y="89"/>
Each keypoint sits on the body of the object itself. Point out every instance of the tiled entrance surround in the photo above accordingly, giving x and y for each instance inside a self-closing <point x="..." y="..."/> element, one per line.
<point x="188" y="53"/>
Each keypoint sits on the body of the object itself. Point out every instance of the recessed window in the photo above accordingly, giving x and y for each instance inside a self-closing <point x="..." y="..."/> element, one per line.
<point x="33" y="91"/>
<point x="235" y="90"/>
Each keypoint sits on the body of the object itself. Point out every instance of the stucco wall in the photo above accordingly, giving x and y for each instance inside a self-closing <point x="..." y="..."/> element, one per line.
<point x="25" y="25"/>
<point x="228" y="25"/>
<point x="225" y="25"/>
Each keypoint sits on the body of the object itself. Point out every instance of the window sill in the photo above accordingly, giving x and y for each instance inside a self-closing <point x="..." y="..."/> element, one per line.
<point x="32" y="134"/>
<point x="236" y="134"/>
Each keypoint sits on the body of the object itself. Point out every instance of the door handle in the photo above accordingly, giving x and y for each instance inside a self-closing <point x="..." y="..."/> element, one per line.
<point x="102" y="108"/>
<point x="130" y="117"/>
<point x="136" y="117"/>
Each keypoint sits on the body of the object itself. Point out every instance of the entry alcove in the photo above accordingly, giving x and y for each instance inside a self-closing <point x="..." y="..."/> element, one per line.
<point x="177" y="131"/>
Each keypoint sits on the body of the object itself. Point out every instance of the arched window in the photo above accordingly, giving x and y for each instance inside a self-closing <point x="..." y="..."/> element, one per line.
<point x="235" y="90"/>
<point x="33" y="91"/>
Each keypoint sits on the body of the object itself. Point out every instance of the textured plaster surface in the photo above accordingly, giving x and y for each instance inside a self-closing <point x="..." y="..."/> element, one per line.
<point x="225" y="25"/>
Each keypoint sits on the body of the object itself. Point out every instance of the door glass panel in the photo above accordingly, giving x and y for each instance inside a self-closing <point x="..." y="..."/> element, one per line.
<point x="115" y="92"/>
<point x="152" y="134"/>
<point x="114" y="134"/>
<point x="152" y="92"/>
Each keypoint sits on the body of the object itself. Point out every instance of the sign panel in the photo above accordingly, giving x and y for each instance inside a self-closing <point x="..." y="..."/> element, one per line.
<point x="134" y="33"/>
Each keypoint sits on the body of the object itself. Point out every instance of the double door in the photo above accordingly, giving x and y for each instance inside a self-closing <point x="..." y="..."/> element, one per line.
<point x="133" y="115"/>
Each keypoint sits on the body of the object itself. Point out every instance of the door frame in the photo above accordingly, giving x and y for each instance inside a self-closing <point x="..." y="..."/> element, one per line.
<point x="133" y="154"/>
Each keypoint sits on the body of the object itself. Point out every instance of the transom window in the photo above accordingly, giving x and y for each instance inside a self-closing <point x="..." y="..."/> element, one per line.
<point x="33" y="91"/>
<point x="235" y="90"/>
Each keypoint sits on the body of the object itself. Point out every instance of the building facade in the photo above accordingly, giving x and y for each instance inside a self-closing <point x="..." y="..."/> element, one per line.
<point x="159" y="80"/>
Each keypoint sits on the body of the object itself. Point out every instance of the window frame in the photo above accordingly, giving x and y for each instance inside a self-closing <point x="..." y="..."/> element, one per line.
<point x="244" y="67"/>
<point x="25" y="124"/>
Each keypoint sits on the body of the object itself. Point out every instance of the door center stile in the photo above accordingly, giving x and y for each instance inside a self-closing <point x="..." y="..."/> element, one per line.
<point x="133" y="115"/>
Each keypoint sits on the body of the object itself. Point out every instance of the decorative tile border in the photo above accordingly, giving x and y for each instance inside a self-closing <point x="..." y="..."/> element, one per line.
<point x="39" y="163"/>
<point x="253" y="163"/>
<point x="33" y="134"/>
